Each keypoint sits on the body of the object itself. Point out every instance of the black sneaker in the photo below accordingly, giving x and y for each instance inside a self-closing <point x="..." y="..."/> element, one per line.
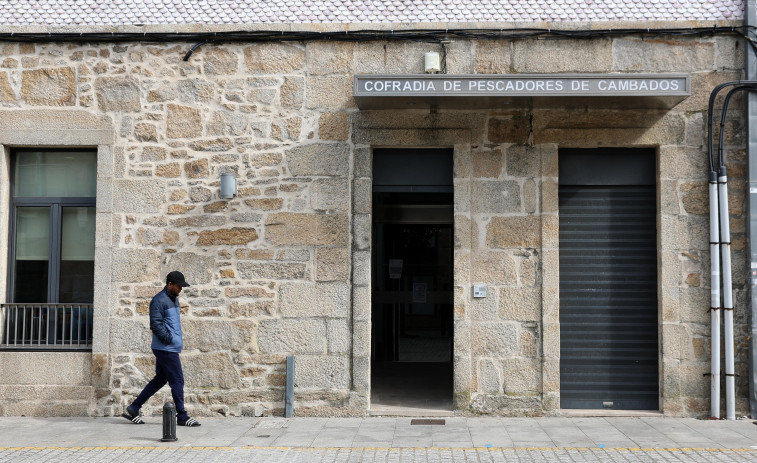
<point x="191" y="422"/>
<point x="132" y="414"/>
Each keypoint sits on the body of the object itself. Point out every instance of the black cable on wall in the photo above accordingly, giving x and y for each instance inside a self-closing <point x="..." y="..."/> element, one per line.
<point x="414" y="35"/>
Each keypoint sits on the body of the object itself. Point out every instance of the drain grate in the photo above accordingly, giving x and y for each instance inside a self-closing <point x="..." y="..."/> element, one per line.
<point x="426" y="421"/>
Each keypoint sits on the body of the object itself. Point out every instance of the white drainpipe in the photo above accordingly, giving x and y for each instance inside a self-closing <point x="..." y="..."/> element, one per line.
<point x="714" y="300"/>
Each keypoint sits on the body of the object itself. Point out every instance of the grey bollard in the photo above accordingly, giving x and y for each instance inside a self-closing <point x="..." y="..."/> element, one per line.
<point x="169" y="422"/>
<point x="289" y="392"/>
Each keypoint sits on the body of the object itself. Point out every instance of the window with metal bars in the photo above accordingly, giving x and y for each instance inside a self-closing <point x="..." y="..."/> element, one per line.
<point x="51" y="250"/>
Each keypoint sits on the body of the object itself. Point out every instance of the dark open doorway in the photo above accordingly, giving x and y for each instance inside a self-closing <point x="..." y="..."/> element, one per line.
<point x="412" y="283"/>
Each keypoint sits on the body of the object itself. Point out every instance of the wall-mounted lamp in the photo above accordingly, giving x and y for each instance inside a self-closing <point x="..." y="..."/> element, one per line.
<point x="228" y="186"/>
<point x="432" y="62"/>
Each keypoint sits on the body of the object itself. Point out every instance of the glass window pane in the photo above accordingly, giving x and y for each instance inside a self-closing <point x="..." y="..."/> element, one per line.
<point x="32" y="254"/>
<point x="77" y="264"/>
<point x="78" y="233"/>
<point x="55" y="173"/>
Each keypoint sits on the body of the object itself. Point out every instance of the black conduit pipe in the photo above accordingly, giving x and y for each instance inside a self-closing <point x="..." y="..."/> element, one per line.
<point x="192" y="50"/>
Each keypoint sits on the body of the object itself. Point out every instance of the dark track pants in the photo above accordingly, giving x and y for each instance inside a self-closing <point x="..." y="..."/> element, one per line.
<point x="167" y="370"/>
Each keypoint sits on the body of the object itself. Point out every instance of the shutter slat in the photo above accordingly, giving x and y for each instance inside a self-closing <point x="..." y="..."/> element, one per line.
<point x="608" y="297"/>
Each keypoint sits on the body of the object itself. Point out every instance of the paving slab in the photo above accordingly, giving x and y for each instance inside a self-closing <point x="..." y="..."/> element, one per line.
<point x="649" y="432"/>
<point x="565" y="433"/>
<point x="333" y="438"/>
<point x="344" y="422"/>
<point x="493" y="438"/>
<point x="411" y="441"/>
<point x="525" y="431"/>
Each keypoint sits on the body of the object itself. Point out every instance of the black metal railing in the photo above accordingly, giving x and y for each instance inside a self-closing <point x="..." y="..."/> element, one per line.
<point x="46" y="326"/>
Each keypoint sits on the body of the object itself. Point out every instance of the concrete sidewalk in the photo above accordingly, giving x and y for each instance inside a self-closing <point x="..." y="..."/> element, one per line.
<point x="375" y="432"/>
<point x="368" y="440"/>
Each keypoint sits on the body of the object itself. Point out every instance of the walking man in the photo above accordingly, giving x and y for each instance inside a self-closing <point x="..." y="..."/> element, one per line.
<point x="165" y="324"/>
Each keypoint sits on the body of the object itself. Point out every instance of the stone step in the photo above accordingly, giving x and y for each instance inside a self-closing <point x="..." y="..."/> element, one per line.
<point x="409" y="411"/>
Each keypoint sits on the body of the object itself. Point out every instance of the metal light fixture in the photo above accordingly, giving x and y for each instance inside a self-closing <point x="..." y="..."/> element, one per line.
<point x="228" y="186"/>
<point x="432" y="62"/>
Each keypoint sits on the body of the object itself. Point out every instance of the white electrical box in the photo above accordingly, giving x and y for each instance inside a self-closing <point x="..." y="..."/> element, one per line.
<point x="431" y="61"/>
<point x="479" y="290"/>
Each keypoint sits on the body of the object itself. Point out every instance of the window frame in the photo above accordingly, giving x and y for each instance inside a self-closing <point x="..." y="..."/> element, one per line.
<point x="55" y="205"/>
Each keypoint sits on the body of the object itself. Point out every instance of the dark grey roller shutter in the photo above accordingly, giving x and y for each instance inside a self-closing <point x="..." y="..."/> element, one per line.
<point x="608" y="281"/>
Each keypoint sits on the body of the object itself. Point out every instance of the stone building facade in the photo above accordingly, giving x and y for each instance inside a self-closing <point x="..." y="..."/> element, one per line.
<point x="284" y="268"/>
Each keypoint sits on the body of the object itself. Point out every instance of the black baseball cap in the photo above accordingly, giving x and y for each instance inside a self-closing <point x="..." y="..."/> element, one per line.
<point x="176" y="278"/>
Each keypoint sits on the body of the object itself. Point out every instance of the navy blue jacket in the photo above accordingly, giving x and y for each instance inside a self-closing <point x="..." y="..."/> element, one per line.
<point x="165" y="322"/>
